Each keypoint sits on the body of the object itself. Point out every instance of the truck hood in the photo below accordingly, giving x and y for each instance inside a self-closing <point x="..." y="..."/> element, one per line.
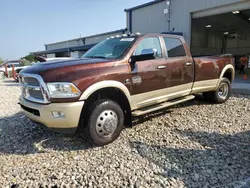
<point x="45" y="66"/>
<point x="66" y="70"/>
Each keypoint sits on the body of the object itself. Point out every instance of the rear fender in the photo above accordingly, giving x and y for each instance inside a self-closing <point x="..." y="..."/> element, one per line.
<point x="225" y="69"/>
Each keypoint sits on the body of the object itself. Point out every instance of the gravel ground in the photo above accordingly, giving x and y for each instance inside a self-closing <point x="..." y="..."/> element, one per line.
<point x="190" y="145"/>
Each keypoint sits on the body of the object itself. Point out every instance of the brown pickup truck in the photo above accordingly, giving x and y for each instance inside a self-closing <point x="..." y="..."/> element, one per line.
<point x="121" y="77"/>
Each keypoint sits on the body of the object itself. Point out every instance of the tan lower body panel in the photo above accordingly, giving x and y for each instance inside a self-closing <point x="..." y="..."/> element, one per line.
<point x="203" y="86"/>
<point x="72" y="112"/>
<point x="158" y="96"/>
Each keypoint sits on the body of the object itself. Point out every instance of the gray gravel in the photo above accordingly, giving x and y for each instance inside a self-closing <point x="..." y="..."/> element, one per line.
<point x="195" y="144"/>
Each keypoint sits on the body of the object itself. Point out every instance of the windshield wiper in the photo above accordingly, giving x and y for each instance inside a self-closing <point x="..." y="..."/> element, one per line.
<point x="98" y="56"/>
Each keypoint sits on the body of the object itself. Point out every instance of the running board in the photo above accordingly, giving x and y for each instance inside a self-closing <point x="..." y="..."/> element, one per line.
<point x="162" y="105"/>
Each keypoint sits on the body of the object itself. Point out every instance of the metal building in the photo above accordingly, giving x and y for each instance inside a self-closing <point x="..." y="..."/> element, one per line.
<point x="209" y="26"/>
<point x="76" y="47"/>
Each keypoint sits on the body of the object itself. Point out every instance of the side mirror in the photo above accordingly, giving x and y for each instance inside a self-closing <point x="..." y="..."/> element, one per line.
<point x="149" y="51"/>
<point x="146" y="54"/>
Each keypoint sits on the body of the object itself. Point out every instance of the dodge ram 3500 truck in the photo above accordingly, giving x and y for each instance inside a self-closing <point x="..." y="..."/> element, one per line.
<point x="121" y="77"/>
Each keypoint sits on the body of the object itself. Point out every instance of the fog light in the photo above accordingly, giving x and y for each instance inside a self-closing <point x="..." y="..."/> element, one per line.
<point x="58" y="114"/>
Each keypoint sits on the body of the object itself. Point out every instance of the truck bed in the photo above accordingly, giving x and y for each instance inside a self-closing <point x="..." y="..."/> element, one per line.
<point x="210" y="67"/>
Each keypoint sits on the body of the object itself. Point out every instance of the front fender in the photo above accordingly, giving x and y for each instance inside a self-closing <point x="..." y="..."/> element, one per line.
<point x="106" y="84"/>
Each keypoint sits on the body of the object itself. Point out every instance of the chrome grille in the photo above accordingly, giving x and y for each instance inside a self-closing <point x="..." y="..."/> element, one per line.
<point x="31" y="81"/>
<point x="36" y="94"/>
<point x="33" y="88"/>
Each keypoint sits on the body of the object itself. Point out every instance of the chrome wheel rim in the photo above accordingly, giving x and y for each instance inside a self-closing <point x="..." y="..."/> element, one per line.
<point x="223" y="91"/>
<point x="106" y="124"/>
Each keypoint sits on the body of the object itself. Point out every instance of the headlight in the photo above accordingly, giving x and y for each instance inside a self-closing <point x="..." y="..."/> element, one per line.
<point x="63" y="90"/>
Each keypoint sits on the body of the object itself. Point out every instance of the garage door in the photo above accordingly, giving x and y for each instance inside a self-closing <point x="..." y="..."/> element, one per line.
<point x="223" y="9"/>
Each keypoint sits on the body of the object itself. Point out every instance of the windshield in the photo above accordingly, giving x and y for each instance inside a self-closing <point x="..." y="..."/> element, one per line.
<point x="110" y="48"/>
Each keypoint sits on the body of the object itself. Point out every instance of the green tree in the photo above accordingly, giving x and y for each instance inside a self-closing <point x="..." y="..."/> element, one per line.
<point x="1" y="60"/>
<point x="30" y="58"/>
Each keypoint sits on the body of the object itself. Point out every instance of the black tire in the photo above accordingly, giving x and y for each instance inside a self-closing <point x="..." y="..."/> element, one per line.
<point x="219" y="96"/>
<point x="95" y="111"/>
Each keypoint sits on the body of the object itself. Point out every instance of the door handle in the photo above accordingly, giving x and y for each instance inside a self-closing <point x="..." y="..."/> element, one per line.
<point x="189" y="63"/>
<point x="161" y="67"/>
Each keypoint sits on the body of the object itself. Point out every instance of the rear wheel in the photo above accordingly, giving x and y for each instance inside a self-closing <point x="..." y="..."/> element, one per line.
<point x="105" y="122"/>
<point x="220" y="95"/>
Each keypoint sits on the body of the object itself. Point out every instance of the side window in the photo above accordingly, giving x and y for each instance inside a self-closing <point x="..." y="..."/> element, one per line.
<point x="149" y="43"/>
<point x="174" y="47"/>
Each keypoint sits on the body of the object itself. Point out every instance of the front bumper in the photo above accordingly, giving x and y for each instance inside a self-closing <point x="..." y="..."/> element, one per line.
<point x="42" y="114"/>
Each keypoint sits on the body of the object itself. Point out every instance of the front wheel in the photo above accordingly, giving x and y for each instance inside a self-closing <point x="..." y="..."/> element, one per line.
<point x="222" y="94"/>
<point x="105" y="122"/>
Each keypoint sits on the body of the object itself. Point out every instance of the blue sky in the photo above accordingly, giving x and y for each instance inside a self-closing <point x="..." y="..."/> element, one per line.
<point x="26" y="25"/>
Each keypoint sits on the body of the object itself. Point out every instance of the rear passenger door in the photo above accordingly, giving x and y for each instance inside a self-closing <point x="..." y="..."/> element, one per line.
<point x="180" y="68"/>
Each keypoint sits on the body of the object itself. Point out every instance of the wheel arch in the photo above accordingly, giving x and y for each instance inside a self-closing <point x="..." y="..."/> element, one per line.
<point x="106" y="84"/>
<point x="112" y="90"/>
<point x="227" y="72"/>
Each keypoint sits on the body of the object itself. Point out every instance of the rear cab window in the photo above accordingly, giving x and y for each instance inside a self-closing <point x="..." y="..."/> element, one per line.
<point x="174" y="47"/>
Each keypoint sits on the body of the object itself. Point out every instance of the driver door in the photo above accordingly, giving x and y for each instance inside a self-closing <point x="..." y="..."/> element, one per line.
<point x="148" y="76"/>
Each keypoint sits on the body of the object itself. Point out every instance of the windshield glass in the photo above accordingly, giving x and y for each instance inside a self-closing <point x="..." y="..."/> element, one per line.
<point x="110" y="48"/>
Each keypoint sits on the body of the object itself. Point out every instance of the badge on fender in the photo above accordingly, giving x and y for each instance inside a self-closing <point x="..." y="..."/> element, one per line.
<point x="136" y="80"/>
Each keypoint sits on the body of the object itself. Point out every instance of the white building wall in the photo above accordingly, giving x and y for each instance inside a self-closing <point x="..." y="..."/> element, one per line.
<point x="149" y="19"/>
<point x="181" y="12"/>
<point x="152" y="19"/>
<point x="51" y="55"/>
<point x="96" y="39"/>
<point x="80" y="41"/>
<point x="74" y="54"/>
<point x="64" y="44"/>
